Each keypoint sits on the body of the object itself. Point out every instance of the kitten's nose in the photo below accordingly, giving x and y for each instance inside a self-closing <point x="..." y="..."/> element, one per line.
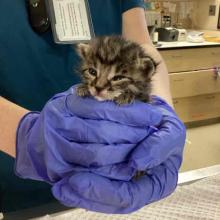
<point x="98" y="89"/>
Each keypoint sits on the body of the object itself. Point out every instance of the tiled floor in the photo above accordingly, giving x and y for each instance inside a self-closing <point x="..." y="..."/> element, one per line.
<point x="202" y="148"/>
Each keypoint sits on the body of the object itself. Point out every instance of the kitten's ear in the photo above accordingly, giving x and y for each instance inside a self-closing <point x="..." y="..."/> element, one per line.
<point x="148" y="65"/>
<point x="83" y="49"/>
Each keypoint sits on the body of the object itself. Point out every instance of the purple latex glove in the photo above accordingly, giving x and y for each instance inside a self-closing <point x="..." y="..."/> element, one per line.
<point x="74" y="134"/>
<point x="76" y="141"/>
<point x="160" y="154"/>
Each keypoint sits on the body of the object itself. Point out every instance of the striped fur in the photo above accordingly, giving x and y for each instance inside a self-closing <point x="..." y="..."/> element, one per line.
<point x="113" y="68"/>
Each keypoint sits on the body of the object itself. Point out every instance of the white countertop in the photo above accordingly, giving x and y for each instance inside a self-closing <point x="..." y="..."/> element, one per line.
<point x="177" y="44"/>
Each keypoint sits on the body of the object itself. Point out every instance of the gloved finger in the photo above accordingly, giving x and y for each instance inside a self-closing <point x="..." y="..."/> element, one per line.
<point x="94" y="154"/>
<point x="120" y="171"/>
<point x="90" y="155"/>
<point x="96" y="193"/>
<point x="59" y="152"/>
<point x="160" y="145"/>
<point x="84" y="128"/>
<point x="42" y="153"/>
<point x="136" y="114"/>
<point x="80" y="130"/>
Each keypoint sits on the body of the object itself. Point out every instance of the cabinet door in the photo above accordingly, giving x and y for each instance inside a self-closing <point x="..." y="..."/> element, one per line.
<point x="179" y="60"/>
<point x="194" y="83"/>
<point x="198" y="107"/>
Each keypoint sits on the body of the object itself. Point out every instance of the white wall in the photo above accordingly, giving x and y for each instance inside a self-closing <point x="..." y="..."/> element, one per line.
<point x="203" y="20"/>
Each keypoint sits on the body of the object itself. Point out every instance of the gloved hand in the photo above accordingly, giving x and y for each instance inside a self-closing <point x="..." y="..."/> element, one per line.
<point x="160" y="154"/>
<point x="76" y="141"/>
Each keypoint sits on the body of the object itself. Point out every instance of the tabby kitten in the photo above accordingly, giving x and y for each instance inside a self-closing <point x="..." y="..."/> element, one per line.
<point x="115" y="69"/>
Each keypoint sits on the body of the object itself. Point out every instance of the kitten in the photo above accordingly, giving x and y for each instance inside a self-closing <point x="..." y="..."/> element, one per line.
<point x="115" y="69"/>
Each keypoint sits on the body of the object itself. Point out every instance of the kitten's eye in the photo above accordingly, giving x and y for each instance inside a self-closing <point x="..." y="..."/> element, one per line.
<point x="92" y="72"/>
<point x="118" y="78"/>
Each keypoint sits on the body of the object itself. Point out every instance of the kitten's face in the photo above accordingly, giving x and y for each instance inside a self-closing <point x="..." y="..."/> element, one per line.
<point x="111" y="66"/>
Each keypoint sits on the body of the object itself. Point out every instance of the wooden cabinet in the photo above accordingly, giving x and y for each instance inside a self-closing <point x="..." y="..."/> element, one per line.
<point x="195" y="86"/>
<point x="192" y="83"/>
<point x="197" y="108"/>
<point x="179" y="60"/>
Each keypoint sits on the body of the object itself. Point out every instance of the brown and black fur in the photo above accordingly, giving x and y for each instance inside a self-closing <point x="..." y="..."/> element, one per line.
<point x="113" y="68"/>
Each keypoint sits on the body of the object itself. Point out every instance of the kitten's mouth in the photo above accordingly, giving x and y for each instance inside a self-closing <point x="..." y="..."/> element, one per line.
<point x="99" y="98"/>
<point x="104" y="95"/>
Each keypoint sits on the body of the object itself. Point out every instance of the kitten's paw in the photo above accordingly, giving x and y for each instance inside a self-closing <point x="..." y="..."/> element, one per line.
<point x="82" y="91"/>
<point x="126" y="98"/>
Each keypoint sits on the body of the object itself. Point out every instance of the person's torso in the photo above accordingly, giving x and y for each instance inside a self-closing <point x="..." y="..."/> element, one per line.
<point x="32" y="66"/>
<point x="32" y="69"/>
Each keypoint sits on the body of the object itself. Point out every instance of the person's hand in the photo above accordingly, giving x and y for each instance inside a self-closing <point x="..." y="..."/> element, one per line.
<point x="160" y="154"/>
<point x="76" y="141"/>
<point x="74" y="134"/>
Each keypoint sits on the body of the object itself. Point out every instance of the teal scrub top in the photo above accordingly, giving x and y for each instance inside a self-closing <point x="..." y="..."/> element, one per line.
<point x="32" y="69"/>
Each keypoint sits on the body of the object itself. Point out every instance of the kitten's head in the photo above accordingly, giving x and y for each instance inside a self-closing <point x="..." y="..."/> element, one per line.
<point x="111" y="65"/>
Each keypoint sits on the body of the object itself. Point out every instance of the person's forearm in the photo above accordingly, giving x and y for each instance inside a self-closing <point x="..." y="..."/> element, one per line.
<point x="161" y="83"/>
<point x="134" y="28"/>
<point x="10" y="115"/>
